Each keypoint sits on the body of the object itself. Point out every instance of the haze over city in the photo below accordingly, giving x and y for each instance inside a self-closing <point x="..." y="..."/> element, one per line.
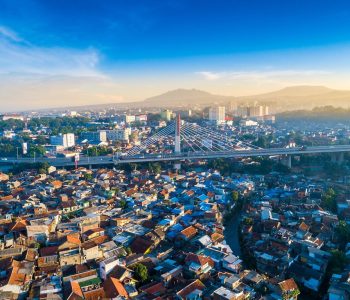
<point x="64" y="53"/>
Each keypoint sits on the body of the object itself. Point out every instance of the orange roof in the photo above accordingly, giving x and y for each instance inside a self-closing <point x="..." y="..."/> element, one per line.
<point x="216" y="237"/>
<point x="190" y="193"/>
<point x="155" y="288"/>
<point x="288" y="285"/>
<point x="189" y="232"/>
<point x="76" y="289"/>
<point x="210" y="194"/>
<point x="19" y="225"/>
<point x="57" y="184"/>
<point x="303" y="226"/>
<point x="74" y="238"/>
<point x="84" y="274"/>
<point x="94" y="294"/>
<point x="131" y="191"/>
<point x="113" y="288"/>
<point x="100" y="239"/>
<point x="195" y="285"/>
<point x="17" y="276"/>
<point x="199" y="259"/>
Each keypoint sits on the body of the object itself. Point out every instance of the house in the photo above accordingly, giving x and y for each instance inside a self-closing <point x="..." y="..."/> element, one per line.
<point x="86" y="285"/>
<point x="70" y="257"/>
<point x="288" y="289"/>
<point x="198" y="264"/>
<point x="232" y="263"/>
<point x="154" y="289"/>
<point x="232" y="282"/>
<point x="114" y="289"/>
<point x="142" y="245"/>
<point x="90" y="251"/>
<point x="188" y="233"/>
<point x="223" y="293"/>
<point x="20" y="278"/>
<point x="38" y="232"/>
<point x="47" y="288"/>
<point x="112" y="267"/>
<point x="192" y="291"/>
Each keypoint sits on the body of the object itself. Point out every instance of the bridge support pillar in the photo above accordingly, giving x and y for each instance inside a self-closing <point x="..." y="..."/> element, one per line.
<point x="177" y="134"/>
<point x="337" y="157"/>
<point x="287" y="161"/>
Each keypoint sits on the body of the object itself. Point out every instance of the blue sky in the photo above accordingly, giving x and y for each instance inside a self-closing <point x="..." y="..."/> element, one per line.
<point x="62" y="51"/>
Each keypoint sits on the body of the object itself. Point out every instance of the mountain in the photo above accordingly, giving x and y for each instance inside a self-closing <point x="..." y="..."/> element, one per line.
<point x="186" y="97"/>
<point x="289" y="98"/>
<point x="302" y="97"/>
<point x="299" y="91"/>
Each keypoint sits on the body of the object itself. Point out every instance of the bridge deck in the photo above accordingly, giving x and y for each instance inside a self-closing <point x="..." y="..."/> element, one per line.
<point x="103" y="160"/>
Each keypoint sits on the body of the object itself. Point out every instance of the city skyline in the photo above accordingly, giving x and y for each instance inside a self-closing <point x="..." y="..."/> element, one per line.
<point x="61" y="53"/>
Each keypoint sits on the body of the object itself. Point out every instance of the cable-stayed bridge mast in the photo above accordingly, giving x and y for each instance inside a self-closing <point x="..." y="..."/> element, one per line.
<point x="181" y="137"/>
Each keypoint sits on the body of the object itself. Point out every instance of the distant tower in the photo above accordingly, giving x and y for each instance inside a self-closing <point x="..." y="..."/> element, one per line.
<point x="177" y="134"/>
<point x="25" y="124"/>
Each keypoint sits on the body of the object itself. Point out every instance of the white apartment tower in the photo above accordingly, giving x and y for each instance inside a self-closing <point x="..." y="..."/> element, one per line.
<point x="66" y="140"/>
<point x="217" y="114"/>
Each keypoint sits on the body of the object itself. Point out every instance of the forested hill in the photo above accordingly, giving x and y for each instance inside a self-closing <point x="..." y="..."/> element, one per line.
<point x="318" y="113"/>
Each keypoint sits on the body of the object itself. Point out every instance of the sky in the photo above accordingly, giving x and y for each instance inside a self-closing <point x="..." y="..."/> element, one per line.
<point x="63" y="52"/>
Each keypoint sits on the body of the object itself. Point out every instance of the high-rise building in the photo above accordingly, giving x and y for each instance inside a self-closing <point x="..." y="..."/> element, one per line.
<point x="217" y="114"/>
<point x="242" y="111"/>
<point x="66" y="140"/>
<point x="166" y="114"/>
<point x="122" y="134"/>
<point x="95" y="136"/>
<point x="253" y="111"/>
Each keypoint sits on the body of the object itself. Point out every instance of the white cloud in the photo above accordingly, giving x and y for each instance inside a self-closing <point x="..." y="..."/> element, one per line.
<point x="21" y="57"/>
<point x="32" y="77"/>
<point x="260" y="74"/>
<point x="210" y="75"/>
<point x="9" y="34"/>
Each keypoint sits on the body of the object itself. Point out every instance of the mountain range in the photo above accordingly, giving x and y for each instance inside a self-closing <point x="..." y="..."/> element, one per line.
<point x="286" y="99"/>
<point x="294" y="97"/>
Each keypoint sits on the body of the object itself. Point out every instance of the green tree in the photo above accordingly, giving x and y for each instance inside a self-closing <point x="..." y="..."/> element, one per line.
<point x="88" y="176"/>
<point x="122" y="203"/>
<point x="337" y="262"/>
<point x="235" y="196"/>
<point x="141" y="272"/>
<point x="328" y="200"/>
<point x="43" y="168"/>
<point x="36" y="150"/>
<point x="155" y="168"/>
<point x="342" y="232"/>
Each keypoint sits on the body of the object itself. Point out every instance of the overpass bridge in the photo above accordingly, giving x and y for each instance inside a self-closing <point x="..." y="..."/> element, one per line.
<point x="188" y="141"/>
<point x="336" y="151"/>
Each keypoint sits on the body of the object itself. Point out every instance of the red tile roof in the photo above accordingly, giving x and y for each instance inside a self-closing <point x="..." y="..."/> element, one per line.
<point x="195" y="285"/>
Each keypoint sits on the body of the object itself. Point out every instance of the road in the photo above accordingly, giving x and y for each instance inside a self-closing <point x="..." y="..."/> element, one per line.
<point x="105" y="160"/>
